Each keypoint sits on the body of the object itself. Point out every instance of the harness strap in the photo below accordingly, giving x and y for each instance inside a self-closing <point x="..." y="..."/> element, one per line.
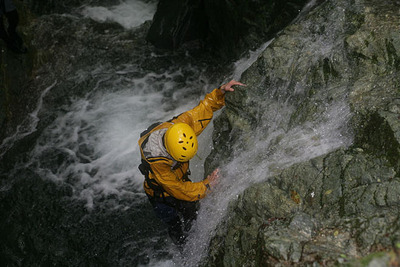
<point x="145" y="169"/>
<point x="151" y="127"/>
<point x="158" y="190"/>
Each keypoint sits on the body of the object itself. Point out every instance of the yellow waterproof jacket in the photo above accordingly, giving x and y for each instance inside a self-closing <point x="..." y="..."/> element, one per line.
<point x="169" y="174"/>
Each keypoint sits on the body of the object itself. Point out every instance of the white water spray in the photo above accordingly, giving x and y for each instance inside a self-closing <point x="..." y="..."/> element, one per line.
<point x="128" y="13"/>
<point x="263" y="160"/>
<point x="272" y="148"/>
<point x="96" y="140"/>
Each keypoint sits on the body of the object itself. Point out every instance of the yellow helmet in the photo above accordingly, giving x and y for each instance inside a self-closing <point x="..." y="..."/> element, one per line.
<point x="181" y="142"/>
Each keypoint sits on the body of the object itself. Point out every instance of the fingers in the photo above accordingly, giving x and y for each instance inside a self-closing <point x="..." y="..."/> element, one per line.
<point x="216" y="173"/>
<point x="228" y="87"/>
<point x="233" y="82"/>
<point x="213" y="178"/>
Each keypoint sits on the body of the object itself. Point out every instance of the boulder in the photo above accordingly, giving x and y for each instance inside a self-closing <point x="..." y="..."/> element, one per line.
<point x="227" y="28"/>
<point x="176" y="22"/>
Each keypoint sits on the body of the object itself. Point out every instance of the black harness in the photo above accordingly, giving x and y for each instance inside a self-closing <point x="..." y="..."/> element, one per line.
<point x="145" y="168"/>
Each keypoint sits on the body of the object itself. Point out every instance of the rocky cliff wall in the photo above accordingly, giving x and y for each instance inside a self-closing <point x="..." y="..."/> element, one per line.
<point x="343" y="204"/>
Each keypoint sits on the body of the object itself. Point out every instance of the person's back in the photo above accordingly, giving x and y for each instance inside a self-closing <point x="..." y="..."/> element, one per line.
<point x="166" y="149"/>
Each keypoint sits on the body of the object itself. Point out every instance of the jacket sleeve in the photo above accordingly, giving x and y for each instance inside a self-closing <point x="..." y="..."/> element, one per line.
<point x="172" y="182"/>
<point x="201" y="115"/>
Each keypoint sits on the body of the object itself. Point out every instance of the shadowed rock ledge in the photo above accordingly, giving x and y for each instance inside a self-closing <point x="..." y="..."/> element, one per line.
<point x="225" y="28"/>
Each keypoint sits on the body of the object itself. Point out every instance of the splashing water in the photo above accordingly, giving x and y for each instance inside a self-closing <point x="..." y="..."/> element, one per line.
<point x="263" y="159"/>
<point x="129" y="13"/>
<point x="96" y="140"/>
<point x="273" y="146"/>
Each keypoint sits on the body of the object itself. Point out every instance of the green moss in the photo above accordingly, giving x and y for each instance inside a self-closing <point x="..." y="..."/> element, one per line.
<point x="366" y="260"/>
<point x="381" y="258"/>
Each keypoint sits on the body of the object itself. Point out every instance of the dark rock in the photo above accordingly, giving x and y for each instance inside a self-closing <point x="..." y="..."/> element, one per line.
<point x="15" y="76"/>
<point x="228" y="28"/>
<point x="43" y="226"/>
<point x="176" y="22"/>
<point x="41" y="7"/>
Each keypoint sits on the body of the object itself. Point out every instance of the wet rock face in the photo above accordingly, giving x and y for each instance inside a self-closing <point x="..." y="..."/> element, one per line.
<point x="340" y="205"/>
<point x="228" y="27"/>
<point x="334" y="207"/>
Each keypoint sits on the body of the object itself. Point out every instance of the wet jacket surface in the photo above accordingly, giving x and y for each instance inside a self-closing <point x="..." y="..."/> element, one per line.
<point x="169" y="174"/>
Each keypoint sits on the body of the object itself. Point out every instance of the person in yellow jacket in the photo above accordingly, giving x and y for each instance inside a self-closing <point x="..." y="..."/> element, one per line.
<point x="166" y="149"/>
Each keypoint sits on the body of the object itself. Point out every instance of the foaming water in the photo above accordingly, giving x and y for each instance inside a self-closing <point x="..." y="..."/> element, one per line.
<point x="128" y="13"/>
<point x="96" y="139"/>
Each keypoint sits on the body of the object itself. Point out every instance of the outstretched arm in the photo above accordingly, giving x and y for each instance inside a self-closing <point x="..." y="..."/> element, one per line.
<point x="200" y="116"/>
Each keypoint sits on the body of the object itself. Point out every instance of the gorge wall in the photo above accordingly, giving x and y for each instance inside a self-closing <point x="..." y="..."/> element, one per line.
<point x="340" y="205"/>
